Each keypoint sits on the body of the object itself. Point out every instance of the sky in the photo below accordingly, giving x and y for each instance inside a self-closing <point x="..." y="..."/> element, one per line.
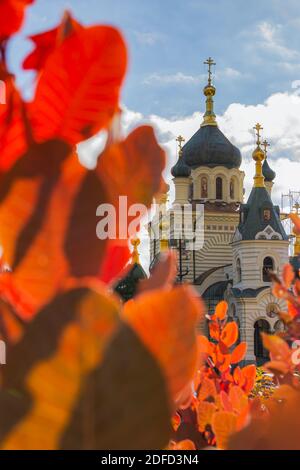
<point x="256" y="46"/>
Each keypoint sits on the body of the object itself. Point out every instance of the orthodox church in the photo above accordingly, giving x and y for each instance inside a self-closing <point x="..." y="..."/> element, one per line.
<point x="243" y="241"/>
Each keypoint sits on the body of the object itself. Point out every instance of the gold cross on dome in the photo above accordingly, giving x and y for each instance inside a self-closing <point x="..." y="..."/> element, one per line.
<point x="209" y="62"/>
<point x="266" y="145"/>
<point x="180" y="141"/>
<point x="258" y="128"/>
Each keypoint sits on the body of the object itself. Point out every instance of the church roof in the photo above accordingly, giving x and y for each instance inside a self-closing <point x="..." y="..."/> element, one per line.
<point x="254" y="219"/>
<point x="268" y="173"/>
<point x="209" y="147"/>
<point x="181" y="169"/>
<point x="126" y="287"/>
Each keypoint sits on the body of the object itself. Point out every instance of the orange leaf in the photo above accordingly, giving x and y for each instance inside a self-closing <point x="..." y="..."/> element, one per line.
<point x="205" y="412"/>
<point x="249" y="375"/>
<point x="288" y="275"/>
<point x="203" y="344"/>
<point x="277" y="346"/>
<point x="239" y="353"/>
<point x="11" y="14"/>
<point x="78" y="91"/>
<point x="223" y="425"/>
<point x="207" y="389"/>
<point x="166" y="323"/>
<point x="221" y="310"/>
<point x="46" y="42"/>
<point x="187" y="444"/>
<point x="230" y="334"/>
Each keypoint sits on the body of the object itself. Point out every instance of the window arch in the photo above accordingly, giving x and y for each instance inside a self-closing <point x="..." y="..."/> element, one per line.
<point x="268" y="267"/>
<point x="238" y="270"/>
<point x="232" y="188"/>
<point x="219" y="188"/>
<point x="279" y="326"/>
<point x="261" y="354"/>
<point x="204" y="187"/>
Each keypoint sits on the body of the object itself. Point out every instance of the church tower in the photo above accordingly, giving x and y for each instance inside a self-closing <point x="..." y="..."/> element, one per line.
<point x="260" y="246"/>
<point x="216" y="182"/>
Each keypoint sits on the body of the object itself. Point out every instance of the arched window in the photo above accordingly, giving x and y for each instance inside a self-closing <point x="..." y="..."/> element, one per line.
<point x="219" y="188"/>
<point x="267" y="215"/>
<point x="268" y="266"/>
<point x="238" y="270"/>
<point x="204" y="187"/>
<point x="261" y="354"/>
<point x="232" y="189"/>
<point x="279" y="326"/>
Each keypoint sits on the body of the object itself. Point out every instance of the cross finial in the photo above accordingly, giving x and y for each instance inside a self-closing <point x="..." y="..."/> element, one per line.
<point x="258" y="128"/>
<point x="266" y="145"/>
<point x="209" y="62"/>
<point x="180" y="141"/>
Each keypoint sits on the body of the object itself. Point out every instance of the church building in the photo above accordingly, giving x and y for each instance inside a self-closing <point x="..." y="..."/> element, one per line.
<point x="243" y="240"/>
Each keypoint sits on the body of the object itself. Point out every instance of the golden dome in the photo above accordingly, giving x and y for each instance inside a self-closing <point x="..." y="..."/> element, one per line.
<point x="258" y="155"/>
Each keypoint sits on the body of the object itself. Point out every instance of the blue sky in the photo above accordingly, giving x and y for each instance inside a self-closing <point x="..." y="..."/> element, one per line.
<point x="255" y="44"/>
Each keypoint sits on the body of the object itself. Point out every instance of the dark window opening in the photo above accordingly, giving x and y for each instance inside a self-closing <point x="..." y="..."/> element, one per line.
<point x="261" y="353"/>
<point x="219" y="188"/>
<point x="268" y="267"/>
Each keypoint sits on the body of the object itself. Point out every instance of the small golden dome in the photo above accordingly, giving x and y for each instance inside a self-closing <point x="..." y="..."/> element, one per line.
<point x="209" y="90"/>
<point x="258" y="155"/>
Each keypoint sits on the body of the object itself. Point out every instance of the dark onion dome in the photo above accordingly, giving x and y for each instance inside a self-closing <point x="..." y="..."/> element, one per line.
<point x="268" y="173"/>
<point x="209" y="147"/>
<point x="180" y="169"/>
<point x="126" y="288"/>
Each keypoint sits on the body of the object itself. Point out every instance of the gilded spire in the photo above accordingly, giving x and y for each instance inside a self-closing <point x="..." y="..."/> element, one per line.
<point x="297" y="237"/>
<point x="209" y="118"/>
<point x="258" y="156"/>
<point x="135" y="257"/>
<point x="163" y="226"/>
<point x="180" y="141"/>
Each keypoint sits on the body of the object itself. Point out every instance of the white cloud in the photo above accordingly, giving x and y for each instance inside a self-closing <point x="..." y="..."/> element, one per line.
<point x="178" y="77"/>
<point x="269" y="38"/>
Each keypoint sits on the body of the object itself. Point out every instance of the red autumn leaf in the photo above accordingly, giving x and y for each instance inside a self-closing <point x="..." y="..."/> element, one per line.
<point x="203" y="345"/>
<point x="221" y="310"/>
<point x="166" y="323"/>
<point x="46" y="42"/>
<point x="214" y="331"/>
<point x="230" y="334"/>
<point x="249" y="376"/>
<point x="79" y="89"/>
<point x="14" y="130"/>
<point x="205" y="411"/>
<point x="12" y="15"/>
<point x="224" y="425"/>
<point x="278" y="348"/>
<point x="187" y="444"/>
<point x="238" y="353"/>
<point x="163" y="275"/>
<point x="140" y="151"/>
<point x="115" y="260"/>
<point x="288" y="275"/>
